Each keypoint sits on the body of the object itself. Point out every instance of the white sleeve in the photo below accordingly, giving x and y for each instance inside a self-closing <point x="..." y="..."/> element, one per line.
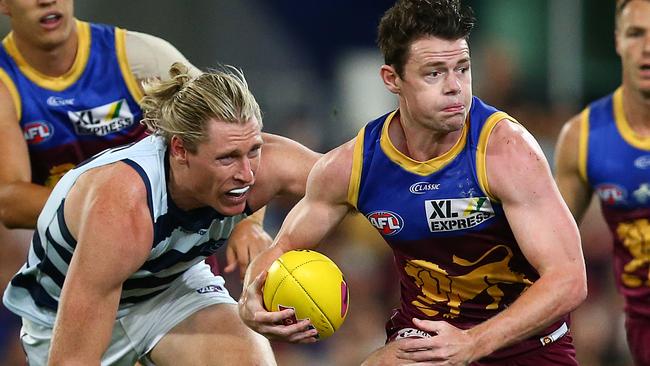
<point x="149" y="56"/>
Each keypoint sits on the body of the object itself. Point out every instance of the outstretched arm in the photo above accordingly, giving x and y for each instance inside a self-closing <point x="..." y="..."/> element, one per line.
<point x="104" y="257"/>
<point x="325" y="203"/>
<point x="519" y="176"/>
<point x="573" y="187"/>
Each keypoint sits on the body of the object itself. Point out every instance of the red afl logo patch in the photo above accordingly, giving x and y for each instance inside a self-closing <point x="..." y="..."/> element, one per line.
<point x="387" y="222"/>
<point x="37" y="132"/>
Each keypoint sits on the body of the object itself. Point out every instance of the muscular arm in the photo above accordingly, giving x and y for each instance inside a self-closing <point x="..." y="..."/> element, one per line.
<point x="519" y="176"/>
<point x="325" y="202"/>
<point x="105" y="256"/>
<point x="575" y="191"/>
<point x="21" y="201"/>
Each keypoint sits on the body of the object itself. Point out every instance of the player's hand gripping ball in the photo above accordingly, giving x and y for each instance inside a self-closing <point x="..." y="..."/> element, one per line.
<point x="313" y="285"/>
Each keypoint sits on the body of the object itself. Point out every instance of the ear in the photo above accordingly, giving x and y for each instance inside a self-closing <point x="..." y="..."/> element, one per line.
<point x="177" y="150"/>
<point x="390" y="78"/>
<point x="616" y="41"/>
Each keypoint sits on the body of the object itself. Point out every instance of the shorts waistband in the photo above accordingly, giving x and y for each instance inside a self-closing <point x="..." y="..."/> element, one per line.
<point x="555" y="335"/>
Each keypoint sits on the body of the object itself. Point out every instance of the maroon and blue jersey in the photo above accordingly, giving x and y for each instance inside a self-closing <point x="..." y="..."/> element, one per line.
<point x="67" y="119"/>
<point x="455" y="252"/>
<point x="615" y="161"/>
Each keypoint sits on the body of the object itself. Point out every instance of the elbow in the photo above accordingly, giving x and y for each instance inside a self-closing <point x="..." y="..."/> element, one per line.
<point x="577" y="291"/>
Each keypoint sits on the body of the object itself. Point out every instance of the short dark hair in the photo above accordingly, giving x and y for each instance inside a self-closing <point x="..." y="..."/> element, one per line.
<point x="409" y="20"/>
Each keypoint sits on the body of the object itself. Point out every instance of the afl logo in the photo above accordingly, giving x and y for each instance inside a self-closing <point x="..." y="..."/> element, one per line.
<point x="423" y="187"/>
<point x="37" y="132"/>
<point x="388" y="223"/>
<point x="642" y="162"/>
<point x="611" y="194"/>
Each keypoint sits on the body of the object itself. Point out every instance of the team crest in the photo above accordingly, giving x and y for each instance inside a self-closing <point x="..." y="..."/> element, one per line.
<point x="103" y="120"/>
<point x="457" y="214"/>
<point x="387" y="222"/>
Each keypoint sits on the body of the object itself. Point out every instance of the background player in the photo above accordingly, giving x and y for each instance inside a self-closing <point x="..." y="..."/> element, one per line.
<point x="606" y="150"/>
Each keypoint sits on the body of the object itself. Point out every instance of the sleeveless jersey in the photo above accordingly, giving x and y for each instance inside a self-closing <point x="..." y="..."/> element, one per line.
<point x="616" y="164"/>
<point x="181" y="238"/>
<point x="67" y="119"/>
<point x="455" y="252"/>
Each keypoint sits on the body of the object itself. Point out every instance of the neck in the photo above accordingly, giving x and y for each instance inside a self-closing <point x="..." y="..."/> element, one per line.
<point x="418" y="141"/>
<point x="636" y="106"/>
<point x="51" y="61"/>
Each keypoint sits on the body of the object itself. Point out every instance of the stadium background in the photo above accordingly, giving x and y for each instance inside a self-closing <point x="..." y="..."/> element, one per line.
<point x="313" y="66"/>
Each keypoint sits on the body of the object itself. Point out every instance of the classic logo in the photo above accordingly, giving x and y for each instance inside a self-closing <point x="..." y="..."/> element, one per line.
<point x="37" y="132"/>
<point x="611" y="194"/>
<point x="102" y="120"/>
<point x="642" y="162"/>
<point x="388" y="223"/>
<point x="54" y="101"/>
<point x="423" y="187"/>
<point x="457" y="214"/>
<point x="411" y="333"/>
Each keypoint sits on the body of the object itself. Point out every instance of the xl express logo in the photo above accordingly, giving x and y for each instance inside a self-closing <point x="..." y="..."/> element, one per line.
<point x="387" y="222"/>
<point x="37" y="132"/>
<point x="457" y="214"/>
<point x="102" y="120"/>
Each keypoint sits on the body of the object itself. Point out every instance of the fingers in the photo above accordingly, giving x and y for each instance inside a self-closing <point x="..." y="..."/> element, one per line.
<point x="231" y="260"/>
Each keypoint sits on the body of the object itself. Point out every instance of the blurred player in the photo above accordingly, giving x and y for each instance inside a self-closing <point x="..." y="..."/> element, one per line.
<point x="606" y="150"/>
<point x="488" y="254"/>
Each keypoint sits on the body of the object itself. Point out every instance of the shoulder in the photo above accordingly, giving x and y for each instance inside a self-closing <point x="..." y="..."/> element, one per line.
<point x="150" y="56"/>
<point x="331" y="174"/>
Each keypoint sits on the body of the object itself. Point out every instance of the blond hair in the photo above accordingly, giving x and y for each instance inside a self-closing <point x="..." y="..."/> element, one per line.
<point x="183" y="104"/>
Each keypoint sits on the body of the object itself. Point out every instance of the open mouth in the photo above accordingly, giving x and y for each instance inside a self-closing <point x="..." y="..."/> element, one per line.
<point x="52" y="18"/>
<point x="238" y="192"/>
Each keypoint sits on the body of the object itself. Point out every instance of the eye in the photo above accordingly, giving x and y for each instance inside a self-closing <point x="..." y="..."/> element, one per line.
<point x="226" y="160"/>
<point x="435" y="73"/>
<point x="255" y="152"/>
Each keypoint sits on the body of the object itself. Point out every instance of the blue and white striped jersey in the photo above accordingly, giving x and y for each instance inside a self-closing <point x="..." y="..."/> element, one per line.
<point x="181" y="238"/>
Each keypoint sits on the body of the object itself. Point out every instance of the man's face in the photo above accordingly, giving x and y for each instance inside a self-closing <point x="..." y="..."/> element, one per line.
<point x="436" y="87"/>
<point x="44" y="24"/>
<point x="633" y="45"/>
<point x="222" y="171"/>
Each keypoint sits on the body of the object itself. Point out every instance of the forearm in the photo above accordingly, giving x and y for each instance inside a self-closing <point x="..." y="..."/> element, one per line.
<point x="21" y="203"/>
<point x="552" y="296"/>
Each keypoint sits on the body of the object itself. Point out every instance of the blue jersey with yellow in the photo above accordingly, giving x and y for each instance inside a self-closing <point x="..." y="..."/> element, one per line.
<point x="615" y="161"/>
<point x="456" y="255"/>
<point x="67" y="119"/>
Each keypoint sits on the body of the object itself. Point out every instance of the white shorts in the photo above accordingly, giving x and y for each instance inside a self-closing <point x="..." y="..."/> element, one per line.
<point x="138" y="332"/>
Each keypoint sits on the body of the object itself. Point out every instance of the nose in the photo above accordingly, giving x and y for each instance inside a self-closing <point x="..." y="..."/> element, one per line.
<point x="452" y="84"/>
<point x="245" y="172"/>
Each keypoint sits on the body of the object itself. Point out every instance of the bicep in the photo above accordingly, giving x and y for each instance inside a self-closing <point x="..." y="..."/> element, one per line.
<point x="540" y="220"/>
<point x="574" y="189"/>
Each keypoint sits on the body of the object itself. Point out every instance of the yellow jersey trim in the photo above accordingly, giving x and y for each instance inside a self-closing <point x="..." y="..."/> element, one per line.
<point x="640" y="142"/>
<point x="56" y="83"/>
<point x="481" y="151"/>
<point x="583" y="144"/>
<point x="357" y="164"/>
<point x="422" y="168"/>
<point x="129" y="78"/>
<point x="15" y="96"/>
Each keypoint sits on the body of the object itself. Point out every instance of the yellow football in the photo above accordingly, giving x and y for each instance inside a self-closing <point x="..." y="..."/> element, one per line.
<point x="313" y="285"/>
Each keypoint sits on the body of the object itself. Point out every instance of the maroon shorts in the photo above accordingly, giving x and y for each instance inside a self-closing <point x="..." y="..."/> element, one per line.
<point x="638" y="338"/>
<point x="544" y="350"/>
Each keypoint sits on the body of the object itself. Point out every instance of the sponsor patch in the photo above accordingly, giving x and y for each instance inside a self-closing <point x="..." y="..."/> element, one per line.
<point x="411" y="333"/>
<point x="642" y="194"/>
<point x="457" y="214"/>
<point x="37" y="132"/>
<point x="102" y="120"/>
<point x="210" y="288"/>
<point x="387" y="222"/>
